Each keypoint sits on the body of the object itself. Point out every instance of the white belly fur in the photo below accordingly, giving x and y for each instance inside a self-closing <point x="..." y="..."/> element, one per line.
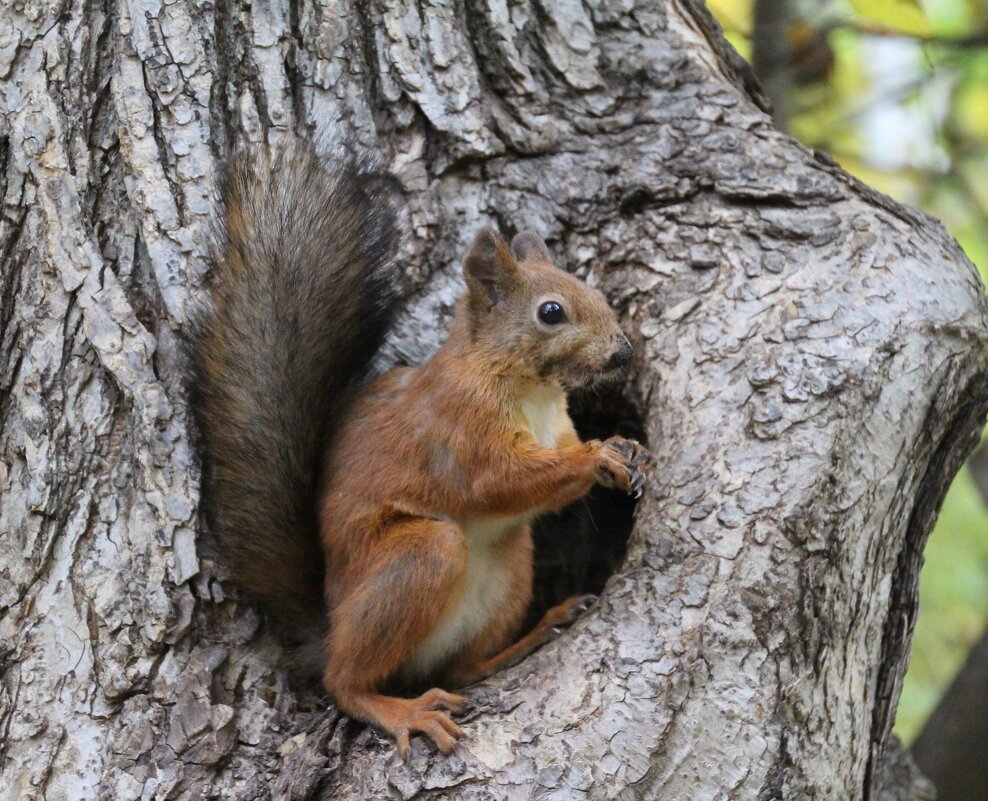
<point x="485" y="589"/>
<point x="486" y="583"/>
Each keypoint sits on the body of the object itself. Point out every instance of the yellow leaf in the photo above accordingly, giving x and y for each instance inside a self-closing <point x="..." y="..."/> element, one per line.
<point x="898" y="184"/>
<point x="902" y="16"/>
<point x="734" y="16"/>
<point x="971" y="110"/>
<point x="740" y="43"/>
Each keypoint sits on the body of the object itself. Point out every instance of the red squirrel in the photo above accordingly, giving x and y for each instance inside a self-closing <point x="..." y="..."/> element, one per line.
<point x="388" y="520"/>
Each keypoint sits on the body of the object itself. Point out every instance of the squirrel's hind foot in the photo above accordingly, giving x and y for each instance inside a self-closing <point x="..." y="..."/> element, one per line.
<point x="429" y="715"/>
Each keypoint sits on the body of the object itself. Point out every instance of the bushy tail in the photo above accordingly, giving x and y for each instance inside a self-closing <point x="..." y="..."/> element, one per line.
<point x="300" y="299"/>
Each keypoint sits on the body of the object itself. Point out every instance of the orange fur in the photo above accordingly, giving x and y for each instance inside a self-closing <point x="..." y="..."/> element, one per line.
<point x="434" y="476"/>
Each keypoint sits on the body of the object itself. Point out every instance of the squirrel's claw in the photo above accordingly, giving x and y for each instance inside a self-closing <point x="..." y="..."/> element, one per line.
<point x="637" y="482"/>
<point x="583" y="602"/>
<point x="568" y="611"/>
<point x="403" y="745"/>
<point x="634" y="462"/>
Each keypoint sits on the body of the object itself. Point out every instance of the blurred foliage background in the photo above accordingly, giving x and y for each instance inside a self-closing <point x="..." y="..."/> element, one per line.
<point x="897" y="92"/>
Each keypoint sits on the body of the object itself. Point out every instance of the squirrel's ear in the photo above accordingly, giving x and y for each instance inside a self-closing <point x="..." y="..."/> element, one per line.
<point x="529" y="245"/>
<point x="489" y="268"/>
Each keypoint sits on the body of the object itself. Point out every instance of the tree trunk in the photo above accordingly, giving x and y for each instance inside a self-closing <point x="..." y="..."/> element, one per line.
<point x="772" y="55"/>
<point x="811" y="371"/>
<point x="951" y="748"/>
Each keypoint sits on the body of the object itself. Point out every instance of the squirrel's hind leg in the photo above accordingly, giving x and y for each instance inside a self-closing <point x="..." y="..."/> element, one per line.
<point x="387" y="607"/>
<point x="498" y="646"/>
<point x="547" y="629"/>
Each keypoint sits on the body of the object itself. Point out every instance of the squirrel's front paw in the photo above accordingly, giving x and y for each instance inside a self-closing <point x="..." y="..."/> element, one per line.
<point x="624" y="464"/>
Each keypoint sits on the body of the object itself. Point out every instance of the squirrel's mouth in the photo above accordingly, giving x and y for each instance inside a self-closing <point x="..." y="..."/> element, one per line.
<point x="606" y="375"/>
<point x="594" y="378"/>
<point x="588" y="374"/>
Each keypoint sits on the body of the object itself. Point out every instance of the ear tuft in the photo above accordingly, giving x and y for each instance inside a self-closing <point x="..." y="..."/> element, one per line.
<point x="482" y="253"/>
<point x="529" y="245"/>
<point x="488" y="267"/>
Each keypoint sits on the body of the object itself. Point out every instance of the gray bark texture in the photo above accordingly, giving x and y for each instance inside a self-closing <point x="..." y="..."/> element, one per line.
<point x="811" y="370"/>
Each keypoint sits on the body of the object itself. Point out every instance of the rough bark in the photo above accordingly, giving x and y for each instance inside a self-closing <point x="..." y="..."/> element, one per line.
<point x="811" y="371"/>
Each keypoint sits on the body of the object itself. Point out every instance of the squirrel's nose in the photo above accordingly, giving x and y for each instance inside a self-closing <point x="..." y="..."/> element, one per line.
<point x="621" y="357"/>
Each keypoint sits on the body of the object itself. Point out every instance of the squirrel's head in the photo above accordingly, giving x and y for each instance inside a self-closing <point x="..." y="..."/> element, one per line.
<point x="552" y="325"/>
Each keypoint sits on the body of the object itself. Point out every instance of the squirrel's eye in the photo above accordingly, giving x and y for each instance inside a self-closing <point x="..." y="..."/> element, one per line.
<point x="551" y="313"/>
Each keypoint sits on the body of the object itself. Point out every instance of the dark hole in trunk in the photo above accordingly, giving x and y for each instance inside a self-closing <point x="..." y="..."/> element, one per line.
<point x="580" y="547"/>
